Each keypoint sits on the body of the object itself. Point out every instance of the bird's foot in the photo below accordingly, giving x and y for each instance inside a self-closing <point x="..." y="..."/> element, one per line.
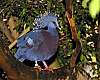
<point x="38" y="67"/>
<point x="48" y="69"/>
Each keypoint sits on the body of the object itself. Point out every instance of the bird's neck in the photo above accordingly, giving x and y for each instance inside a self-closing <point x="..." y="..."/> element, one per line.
<point x="52" y="29"/>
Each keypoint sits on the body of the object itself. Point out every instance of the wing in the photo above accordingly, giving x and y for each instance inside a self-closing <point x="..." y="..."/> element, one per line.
<point x="21" y="42"/>
<point x="44" y="46"/>
<point x="31" y="53"/>
<point x="33" y="38"/>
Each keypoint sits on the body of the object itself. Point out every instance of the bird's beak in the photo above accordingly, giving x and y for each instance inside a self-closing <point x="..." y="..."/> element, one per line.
<point x="58" y="25"/>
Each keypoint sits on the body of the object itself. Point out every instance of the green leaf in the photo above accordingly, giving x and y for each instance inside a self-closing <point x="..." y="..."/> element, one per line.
<point x="94" y="8"/>
<point x="82" y="58"/>
<point x="84" y="3"/>
<point x="79" y="34"/>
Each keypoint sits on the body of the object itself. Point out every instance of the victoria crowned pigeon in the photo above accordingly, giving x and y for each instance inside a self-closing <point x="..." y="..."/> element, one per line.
<point x="39" y="44"/>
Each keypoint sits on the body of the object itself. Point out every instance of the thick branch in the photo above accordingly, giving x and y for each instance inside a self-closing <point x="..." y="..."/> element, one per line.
<point x="73" y="28"/>
<point x="6" y="31"/>
<point x="12" y="24"/>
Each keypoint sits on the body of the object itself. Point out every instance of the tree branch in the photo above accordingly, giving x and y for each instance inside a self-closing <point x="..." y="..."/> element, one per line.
<point x="6" y="31"/>
<point x="73" y="27"/>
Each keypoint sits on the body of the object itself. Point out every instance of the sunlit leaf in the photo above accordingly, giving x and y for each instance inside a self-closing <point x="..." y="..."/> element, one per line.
<point x="94" y="8"/>
<point x="84" y="3"/>
<point x="82" y="58"/>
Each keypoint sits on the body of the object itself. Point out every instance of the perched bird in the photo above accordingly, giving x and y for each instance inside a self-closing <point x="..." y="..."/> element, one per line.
<point x="41" y="43"/>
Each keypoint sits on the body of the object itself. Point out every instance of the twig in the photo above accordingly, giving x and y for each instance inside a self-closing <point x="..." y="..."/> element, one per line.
<point x="1" y="11"/>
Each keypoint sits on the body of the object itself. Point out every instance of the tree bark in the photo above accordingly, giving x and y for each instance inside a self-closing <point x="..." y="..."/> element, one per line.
<point x="6" y="31"/>
<point x="73" y="27"/>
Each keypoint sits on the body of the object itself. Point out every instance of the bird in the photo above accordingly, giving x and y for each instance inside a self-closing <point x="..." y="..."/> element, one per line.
<point x="41" y="43"/>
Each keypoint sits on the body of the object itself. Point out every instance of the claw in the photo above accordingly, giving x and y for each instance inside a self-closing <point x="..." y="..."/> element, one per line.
<point x="49" y="69"/>
<point x="46" y="67"/>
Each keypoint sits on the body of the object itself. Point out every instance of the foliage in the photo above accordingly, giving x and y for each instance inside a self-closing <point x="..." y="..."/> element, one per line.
<point x="88" y="29"/>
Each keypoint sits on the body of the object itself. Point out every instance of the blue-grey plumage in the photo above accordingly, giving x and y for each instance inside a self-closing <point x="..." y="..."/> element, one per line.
<point x="39" y="44"/>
